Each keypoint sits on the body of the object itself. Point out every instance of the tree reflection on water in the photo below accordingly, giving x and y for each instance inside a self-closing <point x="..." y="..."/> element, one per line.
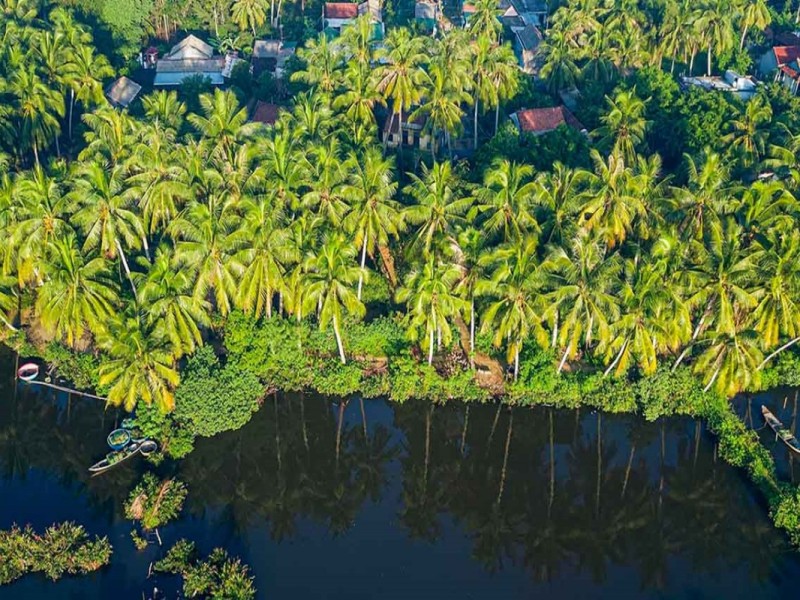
<point x="553" y="492"/>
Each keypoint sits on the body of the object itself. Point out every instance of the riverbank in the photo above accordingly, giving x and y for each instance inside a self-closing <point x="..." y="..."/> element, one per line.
<point x="220" y="393"/>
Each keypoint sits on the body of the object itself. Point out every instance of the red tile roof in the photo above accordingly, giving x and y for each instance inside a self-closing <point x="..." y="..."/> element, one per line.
<point x="786" y="54"/>
<point x="341" y="10"/>
<point x="265" y="113"/>
<point x="542" y="120"/>
<point x="790" y="72"/>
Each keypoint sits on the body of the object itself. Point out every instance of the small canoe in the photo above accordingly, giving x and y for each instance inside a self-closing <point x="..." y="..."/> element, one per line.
<point x="786" y="436"/>
<point x="112" y="459"/>
<point x="28" y="372"/>
<point x="118" y="439"/>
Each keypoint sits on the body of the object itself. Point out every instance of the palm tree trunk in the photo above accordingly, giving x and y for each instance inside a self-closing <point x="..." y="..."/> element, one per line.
<point x="71" y="107"/>
<point x="36" y="154"/>
<point x="127" y="270"/>
<point x="516" y="362"/>
<point x="744" y="35"/>
<point x="363" y="262"/>
<point x="709" y="60"/>
<point x="616" y="360"/>
<point x="146" y="247"/>
<point x="555" y="330"/>
<point x="696" y="332"/>
<point x="778" y="351"/>
<point x="475" y="125"/>
<point x="58" y="145"/>
<point x="564" y="358"/>
<point x="430" y="345"/>
<point x="269" y="302"/>
<point x="472" y="332"/>
<point x="496" y="117"/>
<point x="691" y="61"/>
<point x="342" y="406"/>
<point x="339" y="340"/>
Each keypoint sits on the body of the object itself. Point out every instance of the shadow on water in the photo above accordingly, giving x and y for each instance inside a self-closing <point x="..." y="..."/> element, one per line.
<point x="362" y="499"/>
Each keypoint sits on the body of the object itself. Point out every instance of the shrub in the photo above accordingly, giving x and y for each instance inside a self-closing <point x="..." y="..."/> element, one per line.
<point x="63" y="549"/>
<point x="155" y="503"/>
<point x="212" y="399"/>
<point x="219" y="576"/>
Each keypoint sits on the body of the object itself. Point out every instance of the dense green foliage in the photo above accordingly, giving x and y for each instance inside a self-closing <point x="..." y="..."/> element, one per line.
<point x="63" y="549"/>
<point x="218" y="576"/>
<point x="154" y="502"/>
<point x="213" y="398"/>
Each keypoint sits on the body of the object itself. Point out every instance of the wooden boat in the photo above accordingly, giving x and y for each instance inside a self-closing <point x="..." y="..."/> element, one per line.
<point x="786" y="436"/>
<point x="112" y="459"/>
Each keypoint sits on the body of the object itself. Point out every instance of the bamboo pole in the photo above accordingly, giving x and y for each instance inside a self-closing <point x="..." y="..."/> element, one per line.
<point x="65" y="389"/>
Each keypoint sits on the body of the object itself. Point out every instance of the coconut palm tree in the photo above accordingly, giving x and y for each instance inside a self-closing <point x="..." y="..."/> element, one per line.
<point x="583" y="302"/>
<point x="557" y="194"/>
<point x="104" y="213"/>
<point x="77" y="295"/>
<point x="110" y="136"/>
<point x="756" y="14"/>
<point x="249" y="14"/>
<point x="611" y="207"/>
<point x="323" y="59"/>
<point x="41" y="214"/>
<point x="164" y="108"/>
<point x="495" y="76"/>
<point x="624" y="125"/>
<point x="140" y="368"/>
<point x="85" y="79"/>
<point x="266" y="258"/>
<point x="360" y="96"/>
<point x="715" y="21"/>
<point x="38" y="108"/>
<point x="440" y="208"/>
<point x="750" y="131"/>
<point x="430" y="293"/>
<point x="515" y="314"/>
<point x="776" y="315"/>
<point x="402" y="77"/>
<point x="558" y="67"/>
<point x="221" y="123"/>
<point x="504" y="202"/>
<point x="375" y="216"/>
<point x="329" y="277"/>
<point x="205" y="245"/>
<point x="485" y="21"/>
<point x="470" y="252"/>
<point x="730" y="362"/>
<point x="441" y="105"/>
<point x="325" y="195"/>
<point x="172" y="311"/>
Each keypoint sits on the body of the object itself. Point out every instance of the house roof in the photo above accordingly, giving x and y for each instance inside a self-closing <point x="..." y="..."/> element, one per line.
<point x="529" y="37"/>
<point x="786" y="54"/>
<point x="467" y="8"/>
<point x="267" y="48"/>
<point x="392" y="124"/>
<point x="123" y="91"/>
<point x="542" y="120"/>
<point x="191" y="65"/>
<point x="425" y="10"/>
<point x="793" y="73"/>
<point x="340" y="10"/>
<point x="265" y="112"/>
<point x="190" y="47"/>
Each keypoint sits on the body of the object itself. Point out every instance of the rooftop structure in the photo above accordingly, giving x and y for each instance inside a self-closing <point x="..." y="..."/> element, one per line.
<point x="271" y="55"/>
<point x="538" y="121"/>
<point x="189" y="58"/>
<point x="122" y="92"/>
<point x="526" y="46"/>
<point x="742" y="87"/>
<point x="265" y="112"/>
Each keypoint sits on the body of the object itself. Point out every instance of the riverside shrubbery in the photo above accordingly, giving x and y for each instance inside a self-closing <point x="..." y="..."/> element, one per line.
<point x="63" y="549"/>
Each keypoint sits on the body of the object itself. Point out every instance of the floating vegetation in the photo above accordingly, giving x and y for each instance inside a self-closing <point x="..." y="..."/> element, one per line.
<point x="155" y="502"/>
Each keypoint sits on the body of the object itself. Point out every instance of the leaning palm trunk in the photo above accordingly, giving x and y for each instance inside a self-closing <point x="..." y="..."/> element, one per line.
<point x="430" y="345"/>
<point x="363" y="263"/>
<point x="516" y="362"/>
<point x="778" y="351"/>
<point x="127" y="270"/>
<point x="744" y="35"/>
<point x="564" y="358"/>
<point x="339" y="340"/>
<point x="472" y="332"/>
<point x="617" y="359"/>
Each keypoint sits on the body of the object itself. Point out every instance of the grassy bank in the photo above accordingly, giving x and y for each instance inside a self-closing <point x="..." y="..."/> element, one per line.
<point x="220" y="391"/>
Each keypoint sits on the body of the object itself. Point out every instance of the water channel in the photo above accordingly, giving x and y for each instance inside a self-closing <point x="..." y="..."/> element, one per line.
<point x="365" y="499"/>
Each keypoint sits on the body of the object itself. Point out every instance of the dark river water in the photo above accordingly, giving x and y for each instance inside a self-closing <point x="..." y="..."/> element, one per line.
<point x="413" y="502"/>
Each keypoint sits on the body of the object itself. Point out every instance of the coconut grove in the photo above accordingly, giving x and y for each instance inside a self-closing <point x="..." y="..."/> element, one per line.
<point x="403" y="227"/>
